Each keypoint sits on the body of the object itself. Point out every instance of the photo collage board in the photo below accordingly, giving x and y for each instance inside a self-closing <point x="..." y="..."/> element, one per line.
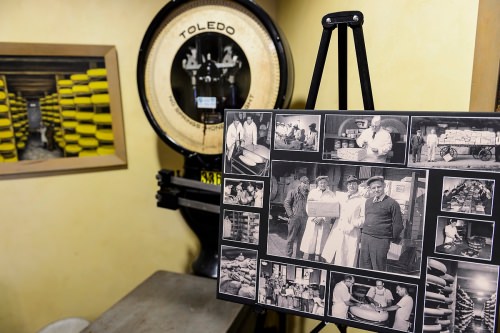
<point x="383" y="221"/>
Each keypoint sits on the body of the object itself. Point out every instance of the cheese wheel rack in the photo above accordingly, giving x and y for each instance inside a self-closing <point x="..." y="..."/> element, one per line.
<point x="13" y="123"/>
<point x="244" y="227"/>
<point x="489" y="311"/>
<point x="464" y="310"/>
<point x="83" y="104"/>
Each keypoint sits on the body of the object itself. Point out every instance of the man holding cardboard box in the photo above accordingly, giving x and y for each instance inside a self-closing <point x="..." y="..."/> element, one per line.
<point x="322" y="208"/>
<point x="376" y="140"/>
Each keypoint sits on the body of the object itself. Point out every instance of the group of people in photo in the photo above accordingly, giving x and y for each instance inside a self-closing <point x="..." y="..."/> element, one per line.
<point x="366" y="217"/>
<point x="277" y="291"/>
<point x="244" y="193"/>
<point x="373" y="305"/>
<point x="246" y="132"/>
<point x="469" y="196"/>
<point x="291" y="136"/>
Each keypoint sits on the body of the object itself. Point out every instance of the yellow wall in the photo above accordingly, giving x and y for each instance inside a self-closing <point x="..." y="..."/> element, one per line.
<point x="72" y="245"/>
<point x="486" y="58"/>
<point x="420" y="53"/>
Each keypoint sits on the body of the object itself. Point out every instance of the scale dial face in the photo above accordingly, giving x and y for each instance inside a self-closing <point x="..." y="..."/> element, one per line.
<point x="199" y="58"/>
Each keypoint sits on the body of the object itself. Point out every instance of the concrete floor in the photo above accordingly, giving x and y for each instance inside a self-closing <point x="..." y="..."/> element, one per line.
<point x="35" y="151"/>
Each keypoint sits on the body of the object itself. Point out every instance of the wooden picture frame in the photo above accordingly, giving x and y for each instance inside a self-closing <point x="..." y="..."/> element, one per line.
<point x="91" y="112"/>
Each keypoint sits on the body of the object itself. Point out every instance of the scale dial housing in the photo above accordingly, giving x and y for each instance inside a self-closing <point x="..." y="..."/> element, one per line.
<point x="203" y="56"/>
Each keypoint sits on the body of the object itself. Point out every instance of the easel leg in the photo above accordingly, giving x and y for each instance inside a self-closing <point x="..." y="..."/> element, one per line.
<point x="341" y="327"/>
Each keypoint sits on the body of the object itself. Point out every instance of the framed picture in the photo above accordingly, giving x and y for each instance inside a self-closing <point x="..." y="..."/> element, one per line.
<point x="365" y="230"/>
<point x="60" y="109"/>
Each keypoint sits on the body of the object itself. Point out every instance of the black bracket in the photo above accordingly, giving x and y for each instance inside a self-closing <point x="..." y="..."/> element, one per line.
<point x="172" y="190"/>
<point x="342" y="20"/>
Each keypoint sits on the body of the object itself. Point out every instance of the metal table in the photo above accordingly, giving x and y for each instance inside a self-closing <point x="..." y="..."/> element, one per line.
<point x="169" y="302"/>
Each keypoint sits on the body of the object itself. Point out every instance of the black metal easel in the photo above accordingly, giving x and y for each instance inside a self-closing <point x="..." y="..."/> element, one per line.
<point x="341" y="20"/>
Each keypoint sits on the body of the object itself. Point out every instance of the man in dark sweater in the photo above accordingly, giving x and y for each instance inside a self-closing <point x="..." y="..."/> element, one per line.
<point x="383" y="223"/>
<point x="295" y="206"/>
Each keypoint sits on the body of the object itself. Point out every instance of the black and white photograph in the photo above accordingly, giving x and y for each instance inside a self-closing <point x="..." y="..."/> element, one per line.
<point x="248" y="139"/>
<point x="243" y="192"/>
<point x="353" y="216"/>
<point x="463" y="143"/>
<point x="468" y="195"/>
<point x="377" y="302"/>
<point x="464" y="237"/>
<point x="292" y="287"/>
<point x="361" y="138"/>
<point x="297" y="132"/>
<point x="460" y="296"/>
<point x="241" y="226"/>
<point x="238" y="272"/>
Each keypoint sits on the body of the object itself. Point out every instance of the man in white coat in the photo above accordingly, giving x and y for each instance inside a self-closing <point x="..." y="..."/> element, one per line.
<point x="376" y="140"/>
<point x="234" y="135"/>
<point x="342" y="245"/>
<point x="317" y="227"/>
<point x="249" y="132"/>
<point x="342" y="298"/>
<point x="432" y="141"/>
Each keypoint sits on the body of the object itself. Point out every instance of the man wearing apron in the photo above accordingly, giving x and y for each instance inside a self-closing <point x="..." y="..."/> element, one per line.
<point x="379" y="295"/>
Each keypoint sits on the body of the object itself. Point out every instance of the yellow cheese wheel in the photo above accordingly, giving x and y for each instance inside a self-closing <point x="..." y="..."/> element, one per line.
<point x="21" y="145"/>
<point x="66" y="92"/>
<point x="102" y="118"/>
<point x="4" y="122"/>
<point x="73" y="149"/>
<point x="84" y="116"/>
<point x="88" y="142"/>
<point x="12" y="158"/>
<point x="79" y="78"/>
<point x="1" y="158"/>
<point x="87" y="153"/>
<point x="7" y="147"/>
<point x="8" y="134"/>
<point x="86" y="129"/>
<point x="83" y="101"/>
<point x="69" y="124"/>
<point x="65" y="83"/>
<point x="2" y="84"/>
<point x="67" y="102"/>
<point x="81" y="89"/>
<point x="68" y="114"/>
<point x="3" y="96"/>
<point x="98" y="86"/>
<point x="4" y="108"/>
<point x="71" y="137"/>
<point x="100" y="99"/>
<point x="97" y="73"/>
<point x="106" y="150"/>
<point x="105" y="135"/>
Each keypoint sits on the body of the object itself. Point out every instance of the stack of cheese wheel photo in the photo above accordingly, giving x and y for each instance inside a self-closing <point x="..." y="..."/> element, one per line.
<point x="438" y="298"/>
